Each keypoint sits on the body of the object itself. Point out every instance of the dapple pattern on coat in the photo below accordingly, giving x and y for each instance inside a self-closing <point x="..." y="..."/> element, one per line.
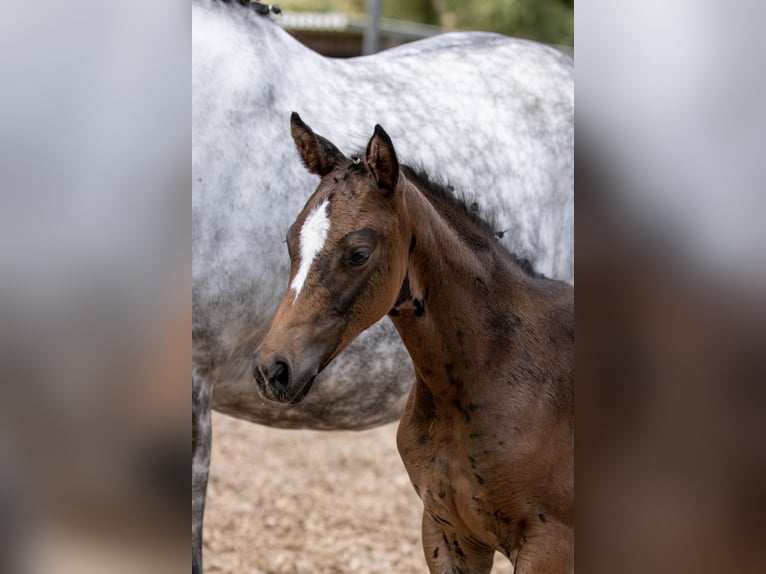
<point x="509" y="105"/>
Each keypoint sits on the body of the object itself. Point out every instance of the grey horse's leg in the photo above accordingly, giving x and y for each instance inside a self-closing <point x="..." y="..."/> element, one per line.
<point x="201" y="440"/>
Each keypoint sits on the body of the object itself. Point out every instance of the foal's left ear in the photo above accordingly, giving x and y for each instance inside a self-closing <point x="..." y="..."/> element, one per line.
<point x="381" y="159"/>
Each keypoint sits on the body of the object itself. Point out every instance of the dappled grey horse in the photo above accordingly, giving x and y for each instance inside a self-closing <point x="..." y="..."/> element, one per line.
<point x="488" y="112"/>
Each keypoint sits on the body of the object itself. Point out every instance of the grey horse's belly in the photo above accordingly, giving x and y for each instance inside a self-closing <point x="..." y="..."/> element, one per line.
<point x="365" y="386"/>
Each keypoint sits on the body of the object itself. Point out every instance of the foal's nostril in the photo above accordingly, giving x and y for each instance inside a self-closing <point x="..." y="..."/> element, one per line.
<point x="280" y="374"/>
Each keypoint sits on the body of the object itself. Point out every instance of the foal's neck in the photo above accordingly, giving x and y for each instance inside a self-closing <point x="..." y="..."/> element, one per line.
<point x="459" y="286"/>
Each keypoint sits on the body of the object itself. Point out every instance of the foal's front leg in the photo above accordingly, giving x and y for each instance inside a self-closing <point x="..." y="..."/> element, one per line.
<point x="447" y="554"/>
<point x="548" y="548"/>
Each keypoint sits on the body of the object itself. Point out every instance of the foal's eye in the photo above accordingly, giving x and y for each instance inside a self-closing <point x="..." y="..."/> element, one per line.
<point x="359" y="256"/>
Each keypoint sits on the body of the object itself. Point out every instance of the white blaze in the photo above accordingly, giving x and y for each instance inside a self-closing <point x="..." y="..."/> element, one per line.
<point x="313" y="236"/>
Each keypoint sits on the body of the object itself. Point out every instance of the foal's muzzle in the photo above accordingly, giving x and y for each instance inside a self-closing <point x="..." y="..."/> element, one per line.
<point x="279" y="380"/>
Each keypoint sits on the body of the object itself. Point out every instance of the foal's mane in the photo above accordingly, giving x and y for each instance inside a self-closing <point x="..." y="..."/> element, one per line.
<point x="477" y="231"/>
<point x="462" y="214"/>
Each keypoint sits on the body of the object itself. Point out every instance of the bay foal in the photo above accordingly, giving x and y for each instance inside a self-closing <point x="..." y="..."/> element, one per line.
<point x="487" y="433"/>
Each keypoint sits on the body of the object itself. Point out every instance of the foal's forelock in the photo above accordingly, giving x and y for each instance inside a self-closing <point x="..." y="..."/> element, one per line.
<point x="311" y="241"/>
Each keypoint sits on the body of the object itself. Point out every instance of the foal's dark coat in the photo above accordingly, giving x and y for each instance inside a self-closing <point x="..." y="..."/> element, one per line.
<point x="487" y="434"/>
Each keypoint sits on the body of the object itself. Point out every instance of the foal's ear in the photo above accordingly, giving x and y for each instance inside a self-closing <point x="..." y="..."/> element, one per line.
<point x="381" y="159"/>
<point x="319" y="155"/>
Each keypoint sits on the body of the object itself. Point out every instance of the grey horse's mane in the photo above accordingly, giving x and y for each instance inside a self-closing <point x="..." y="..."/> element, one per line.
<point x="259" y="7"/>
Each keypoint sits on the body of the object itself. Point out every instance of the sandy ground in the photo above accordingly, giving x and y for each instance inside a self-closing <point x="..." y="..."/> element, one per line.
<point x="304" y="502"/>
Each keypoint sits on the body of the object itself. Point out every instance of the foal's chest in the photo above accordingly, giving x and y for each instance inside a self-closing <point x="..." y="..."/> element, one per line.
<point x="460" y="481"/>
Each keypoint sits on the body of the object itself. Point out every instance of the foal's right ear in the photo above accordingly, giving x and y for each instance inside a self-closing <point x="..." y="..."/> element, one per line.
<point x="319" y="155"/>
<point x="381" y="159"/>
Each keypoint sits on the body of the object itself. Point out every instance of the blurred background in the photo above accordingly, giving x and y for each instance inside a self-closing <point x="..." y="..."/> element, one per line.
<point x="342" y="28"/>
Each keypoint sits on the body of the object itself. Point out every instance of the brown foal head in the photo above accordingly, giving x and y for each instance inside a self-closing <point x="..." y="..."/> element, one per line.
<point x="348" y="252"/>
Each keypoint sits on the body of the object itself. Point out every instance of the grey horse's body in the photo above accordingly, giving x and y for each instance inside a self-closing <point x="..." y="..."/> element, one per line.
<point x="511" y="101"/>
